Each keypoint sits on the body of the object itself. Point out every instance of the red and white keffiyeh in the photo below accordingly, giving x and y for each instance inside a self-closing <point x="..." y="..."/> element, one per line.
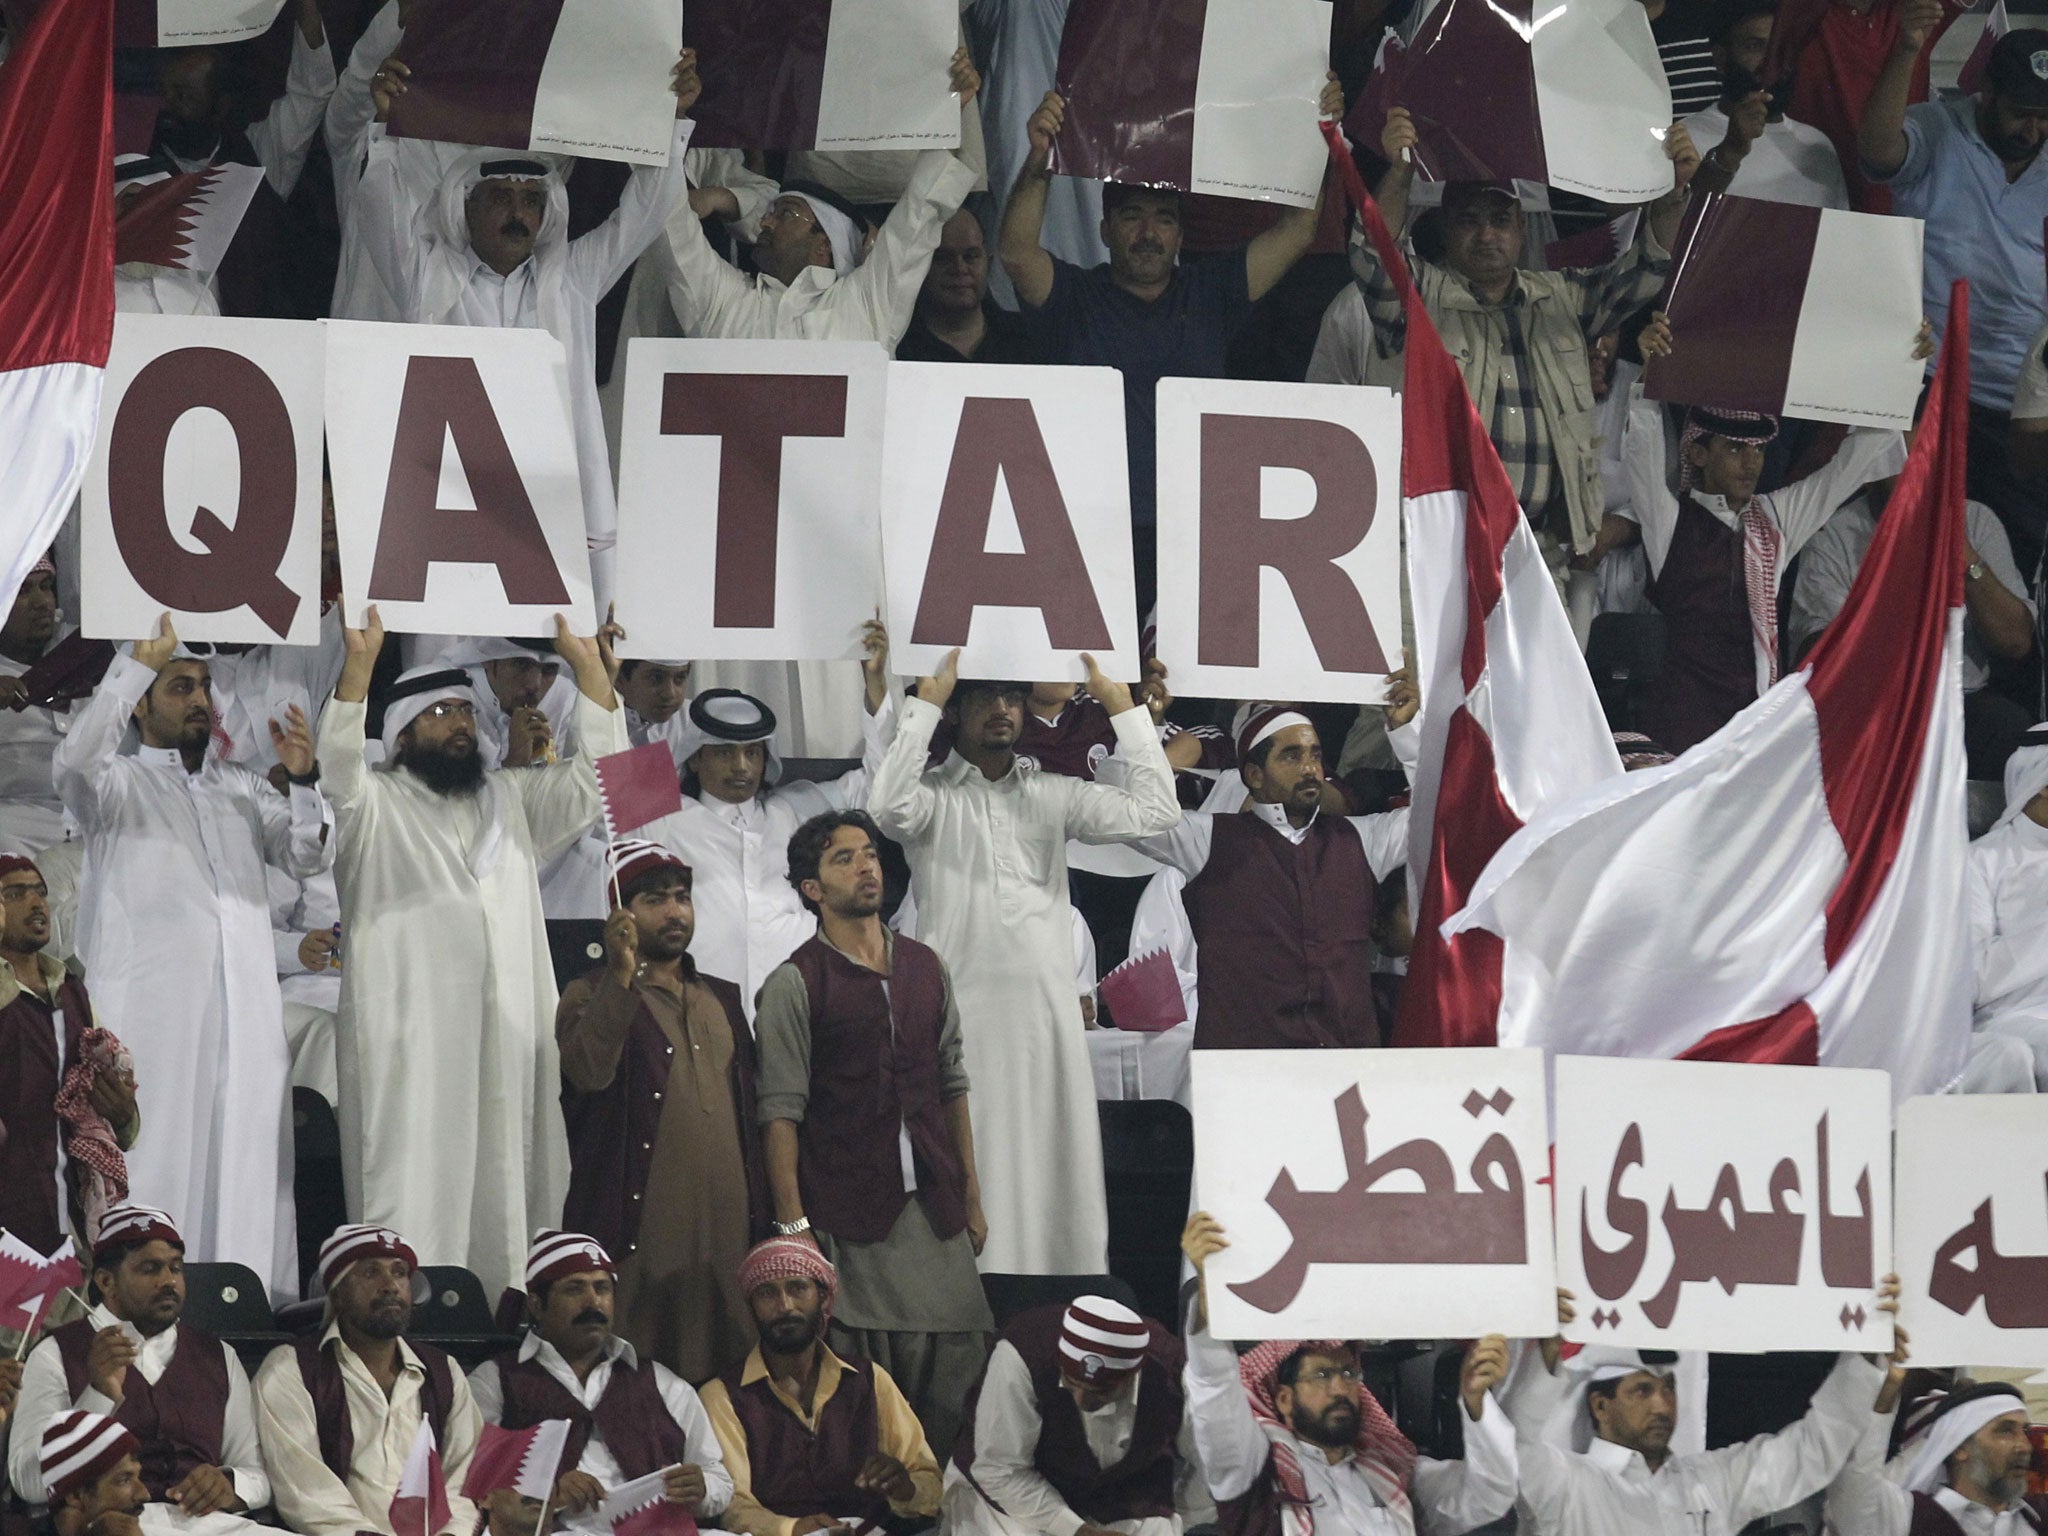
<point x="89" y="1142"/>
<point x="1386" y="1455"/>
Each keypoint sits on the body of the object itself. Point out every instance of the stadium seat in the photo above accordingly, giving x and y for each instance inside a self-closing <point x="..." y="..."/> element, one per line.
<point x="1009" y="1295"/>
<point x="317" y="1195"/>
<point x="455" y="1315"/>
<point x="1148" y="1164"/>
<point x="228" y="1300"/>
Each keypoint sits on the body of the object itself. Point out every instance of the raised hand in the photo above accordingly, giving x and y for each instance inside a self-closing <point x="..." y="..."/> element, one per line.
<point x="1043" y="128"/>
<point x="1399" y="138"/>
<point x="685" y="82"/>
<point x="155" y="653"/>
<point x="874" y="662"/>
<point x="388" y="84"/>
<point x="622" y="947"/>
<point x="1330" y="105"/>
<point x="1108" y="692"/>
<point x="1486" y="1366"/>
<point x="293" y="742"/>
<point x="1655" y="340"/>
<point x="965" y="78"/>
<point x="938" y="688"/>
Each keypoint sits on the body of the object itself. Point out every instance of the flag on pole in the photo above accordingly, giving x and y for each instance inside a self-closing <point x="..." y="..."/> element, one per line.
<point x="1789" y="889"/>
<point x="30" y="1282"/>
<point x="420" y="1507"/>
<point x="56" y="268"/>
<point x="1510" y="721"/>
<point x="637" y="786"/>
<point x="1996" y="25"/>
<point x="525" y="1459"/>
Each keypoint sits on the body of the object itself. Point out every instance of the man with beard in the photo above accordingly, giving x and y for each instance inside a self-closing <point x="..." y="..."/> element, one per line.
<point x="628" y="1418"/>
<point x="92" y="1475"/>
<point x="1962" y="1467"/>
<point x="1291" y="1441"/>
<point x="658" y="1094"/>
<point x="813" y="1439"/>
<point x="444" y="1045"/>
<point x="194" y="129"/>
<point x="174" y="884"/>
<point x="339" y="1411"/>
<point x="865" y="1125"/>
<point x="177" y="1388"/>
<point x="1756" y="150"/>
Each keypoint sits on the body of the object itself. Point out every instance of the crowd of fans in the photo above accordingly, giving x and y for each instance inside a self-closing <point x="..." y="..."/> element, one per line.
<point x="728" y="1177"/>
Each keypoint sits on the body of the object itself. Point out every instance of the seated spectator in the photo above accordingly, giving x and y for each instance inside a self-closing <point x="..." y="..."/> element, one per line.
<point x="866" y="1130"/>
<point x="1716" y="549"/>
<point x="1965" y="1463"/>
<point x="628" y="1418"/>
<point x="1520" y="338"/>
<point x="31" y="814"/>
<point x="1075" y="1427"/>
<point x="1752" y="148"/>
<point x="654" y="693"/>
<point x="195" y="127"/>
<point x="179" y="1390"/>
<point x="1971" y="169"/>
<point x="810" y="279"/>
<point x="658" y="1096"/>
<point x="1142" y="312"/>
<point x="1290" y="1427"/>
<point x="812" y="1439"/>
<point x="2009" y="907"/>
<point x="64" y="1137"/>
<point x="92" y="1474"/>
<point x="339" y="1411"/>
<point x="1998" y="618"/>
<point x="955" y="320"/>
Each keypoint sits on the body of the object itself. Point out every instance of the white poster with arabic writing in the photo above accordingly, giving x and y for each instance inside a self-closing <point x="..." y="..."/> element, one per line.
<point x="1973" y="1229"/>
<point x="1375" y="1194"/>
<point x="1708" y="1205"/>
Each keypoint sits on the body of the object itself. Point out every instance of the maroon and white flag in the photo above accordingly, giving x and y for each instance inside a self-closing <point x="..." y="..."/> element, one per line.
<point x="1574" y="97"/>
<point x="825" y="74"/>
<point x="186" y="222"/>
<point x="1214" y="96"/>
<point x="577" y="77"/>
<point x="1996" y="25"/>
<point x="1794" y="311"/>
<point x="420" y="1506"/>
<point x="524" y="1459"/>
<point x="638" y="1508"/>
<point x="637" y="786"/>
<point x="30" y="1282"/>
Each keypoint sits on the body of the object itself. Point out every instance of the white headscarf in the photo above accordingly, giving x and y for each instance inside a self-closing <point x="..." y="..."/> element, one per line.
<point x="844" y="235"/>
<point x="725" y="715"/>
<point x="402" y="711"/>
<point x="452" y="207"/>
<point x="1943" y="1430"/>
<point x="2026" y="773"/>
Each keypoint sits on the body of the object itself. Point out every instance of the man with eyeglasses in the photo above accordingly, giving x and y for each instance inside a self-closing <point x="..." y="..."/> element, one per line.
<point x="1293" y="1443"/>
<point x="445" y="1045"/>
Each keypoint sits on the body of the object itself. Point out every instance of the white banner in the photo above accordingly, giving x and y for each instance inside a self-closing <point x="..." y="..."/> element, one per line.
<point x="456" y="498"/>
<point x="1006" y="521"/>
<point x="1973" y="1229"/>
<point x="1279" y="539"/>
<point x="1256" y="96"/>
<point x="1710" y="1205"/>
<point x="203" y="495"/>
<point x="188" y="23"/>
<point x="1375" y="1194"/>
<point x="883" y="84"/>
<point x="749" y="488"/>
<point x="1601" y="98"/>
<point x="605" y="88"/>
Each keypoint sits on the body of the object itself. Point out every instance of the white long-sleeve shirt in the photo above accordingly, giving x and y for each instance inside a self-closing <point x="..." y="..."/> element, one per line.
<point x="700" y="1443"/>
<point x="1609" y="1490"/>
<point x="1447" y="1496"/>
<point x="283" y="137"/>
<point x="2009" y="926"/>
<point x="45" y="1394"/>
<point x="310" y="1498"/>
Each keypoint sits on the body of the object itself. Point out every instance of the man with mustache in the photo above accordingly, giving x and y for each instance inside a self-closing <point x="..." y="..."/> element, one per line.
<point x="444" y="1043"/>
<point x="339" y="1410"/>
<point x="1962" y="1467"/>
<point x="178" y="1389"/>
<point x="658" y="1094"/>
<point x="815" y="1441"/>
<point x="93" y="1476"/>
<point x="628" y="1418"/>
<point x="865" y="1125"/>
<point x="177" y="840"/>
<point x="1756" y="150"/>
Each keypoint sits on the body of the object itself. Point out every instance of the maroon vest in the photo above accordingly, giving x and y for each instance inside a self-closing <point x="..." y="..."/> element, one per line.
<point x="798" y="1473"/>
<point x="875" y="1066"/>
<point x="322" y="1378"/>
<point x="1284" y="932"/>
<point x="637" y="1427"/>
<point x="1140" y="1486"/>
<point x="1709" y="671"/>
<point x="31" y="1072"/>
<point x="1259" y="1511"/>
<point x="1930" y="1519"/>
<point x="612" y="1132"/>
<point x="179" y="1419"/>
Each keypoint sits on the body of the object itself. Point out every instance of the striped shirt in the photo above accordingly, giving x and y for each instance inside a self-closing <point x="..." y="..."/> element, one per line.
<point x="1688" y="62"/>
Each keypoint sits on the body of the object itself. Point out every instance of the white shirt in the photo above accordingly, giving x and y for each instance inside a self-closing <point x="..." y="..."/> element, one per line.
<point x="45" y="1395"/>
<point x="1788" y="162"/>
<point x="1865" y="1500"/>
<point x="310" y="1498"/>
<point x="31" y="815"/>
<point x="700" y="1448"/>
<point x="2009" y="923"/>
<point x="283" y="138"/>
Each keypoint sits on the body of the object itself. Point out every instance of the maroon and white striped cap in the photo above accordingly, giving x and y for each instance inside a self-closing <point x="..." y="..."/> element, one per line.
<point x="127" y="1224"/>
<point x="1102" y="1339"/>
<point x="80" y="1448"/>
<point x="361" y="1240"/>
<point x="1255" y="725"/>
<point x="555" y="1254"/>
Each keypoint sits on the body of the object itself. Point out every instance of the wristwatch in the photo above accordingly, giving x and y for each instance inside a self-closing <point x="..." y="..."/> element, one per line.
<point x="791" y="1228"/>
<point x="309" y="780"/>
<point x="1975" y="570"/>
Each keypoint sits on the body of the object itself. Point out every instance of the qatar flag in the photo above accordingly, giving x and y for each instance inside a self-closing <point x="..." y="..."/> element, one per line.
<point x="420" y="1506"/>
<point x="56" y="268"/>
<point x="1792" y="889"/>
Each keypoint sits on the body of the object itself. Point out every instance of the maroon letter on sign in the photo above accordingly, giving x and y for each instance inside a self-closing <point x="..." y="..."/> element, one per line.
<point x="1002" y="437"/>
<point x="444" y="399"/>
<point x="1236" y="541"/>
<point x="240" y="563"/>
<point x="750" y="414"/>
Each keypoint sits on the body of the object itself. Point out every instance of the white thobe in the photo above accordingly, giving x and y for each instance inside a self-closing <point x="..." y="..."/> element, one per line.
<point x="283" y="136"/>
<point x="311" y="998"/>
<point x="310" y="1497"/>
<point x="174" y="926"/>
<point x="988" y="861"/>
<point x="142" y="289"/>
<point x="1788" y="162"/>
<point x="262" y="683"/>
<point x="31" y="815"/>
<point x="700" y="1442"/>
<point x="2009" y="934"/>
<point x="1446" y="1496"/>
<point x="1609" y="1490"/>
<point x="45" y="1394"/>
<point x="1865" y="1501"/>
<point x="451" y="1123"/>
